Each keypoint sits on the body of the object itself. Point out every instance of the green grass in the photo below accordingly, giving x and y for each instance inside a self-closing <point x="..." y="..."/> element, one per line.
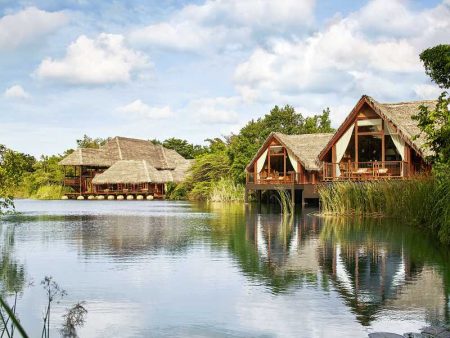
<point x="422" y="202"/>
<point x="48" y="192"/>
<point x="226" y="190"/>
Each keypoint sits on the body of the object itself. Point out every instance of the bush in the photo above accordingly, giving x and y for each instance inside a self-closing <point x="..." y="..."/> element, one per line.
<point x="48" y="192"/>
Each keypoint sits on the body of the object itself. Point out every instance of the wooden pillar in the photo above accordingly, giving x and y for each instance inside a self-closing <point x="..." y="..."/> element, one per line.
<point x="246" y="196"/>
<point x="407" y="165"/>
<point x="81" y="173"/>
<point x="64" y="179"/>
<point x="356" y="144"/>
<point x="333" y="161"/>
<point x="258" y="196"/>
<point x="383" y="146"/>
<point x="284" y="159"/>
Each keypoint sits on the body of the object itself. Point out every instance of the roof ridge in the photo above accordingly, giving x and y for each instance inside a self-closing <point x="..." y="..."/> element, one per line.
<point x="406" y="102"/>
<point x="146" y="170"/>
<point x="118" y="148"/>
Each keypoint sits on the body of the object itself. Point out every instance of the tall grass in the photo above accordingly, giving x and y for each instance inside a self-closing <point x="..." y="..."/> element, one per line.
<point x="424" y="201"/>
<point x="226" y="190"/>
<point x="286" y="204"/>
<point x="48" y="192"/>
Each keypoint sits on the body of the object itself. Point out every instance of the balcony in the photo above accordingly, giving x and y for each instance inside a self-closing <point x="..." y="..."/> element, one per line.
<point x="362" y="171"/>
<point x="71" y="181"/>
<point x="274" y="178"/>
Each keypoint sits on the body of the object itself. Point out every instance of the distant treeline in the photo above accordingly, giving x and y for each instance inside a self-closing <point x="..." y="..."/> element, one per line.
<point x="218" y="172"/>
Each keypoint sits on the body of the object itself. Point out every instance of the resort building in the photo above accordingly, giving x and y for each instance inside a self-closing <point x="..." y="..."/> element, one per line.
<point x="287" y="162"/>
<point x="376" y="141"/>
<point x="124" y="168"/>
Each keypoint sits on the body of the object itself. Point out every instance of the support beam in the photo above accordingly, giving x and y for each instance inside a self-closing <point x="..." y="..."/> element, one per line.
<point x="246" y="196"/>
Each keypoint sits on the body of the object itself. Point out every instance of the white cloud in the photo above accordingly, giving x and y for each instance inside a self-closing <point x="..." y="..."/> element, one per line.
<point x="254" y="13"/>
<point x="427" y="91"/>
<point x="16" y="92"/>
<point x="345" y="57"/>
<point x="224" y="24"/>
<point x="218" y="110"/>
<point x="139" y="109"/>
<point x="28" y="25"/>
<point x="103" y="60"/>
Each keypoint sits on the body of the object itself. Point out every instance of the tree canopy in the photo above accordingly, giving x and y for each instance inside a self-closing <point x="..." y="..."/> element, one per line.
<point x="435" y="123"/>
<point x="436" y="61"/>
<point x="182" y="147"/>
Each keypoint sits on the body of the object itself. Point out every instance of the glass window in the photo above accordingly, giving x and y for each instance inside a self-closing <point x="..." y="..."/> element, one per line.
<point x="369" y="148"/>
<point x="370" y="126"/>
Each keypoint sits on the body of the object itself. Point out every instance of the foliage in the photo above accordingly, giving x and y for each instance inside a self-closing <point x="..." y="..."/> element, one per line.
<point x="284" y="198"/>
<point x="436" y="61"/>
<point x="182" y="147"/>
<point x="74" y="318"/>
<point x="53" y="292"/>
<point x="207" y="169"/>
<point x="11" y="316"/>
<point x="422" y="202"/>
<point x="435" y="124"/>
<point x="89" y="142"/>
<point x="226" y="190"/>
<point x="49" y="192"/>
<point x="243" y="146"/>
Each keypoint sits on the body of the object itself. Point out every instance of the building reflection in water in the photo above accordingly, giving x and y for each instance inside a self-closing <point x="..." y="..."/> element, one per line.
<point x="375" y="265"/>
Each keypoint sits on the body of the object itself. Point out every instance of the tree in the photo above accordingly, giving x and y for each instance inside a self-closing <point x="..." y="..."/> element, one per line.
<point x="89" y="142"/>
<point x="435" y="123"/>
<point x="183" y="147"/>
<point x="436" y="61"/>
<point x="13" y="166"/>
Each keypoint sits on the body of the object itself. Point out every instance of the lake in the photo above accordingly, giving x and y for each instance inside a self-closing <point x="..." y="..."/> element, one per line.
<point x="179" y="269"/>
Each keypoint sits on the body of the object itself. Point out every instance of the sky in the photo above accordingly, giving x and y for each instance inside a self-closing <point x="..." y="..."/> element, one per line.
<point x="201" y="69"/>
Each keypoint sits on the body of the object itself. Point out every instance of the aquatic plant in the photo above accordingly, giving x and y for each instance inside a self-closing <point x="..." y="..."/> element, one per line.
<point x="74" y="317"/>
<point x="226" y="190"/>
<point x="422" y="202"/>
<point x="284" y="198"/>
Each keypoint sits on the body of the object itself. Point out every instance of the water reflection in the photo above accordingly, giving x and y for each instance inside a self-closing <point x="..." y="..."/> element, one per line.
<point x="378" y="265"/>
<point x="167" y="263"/>
<point x="12" y="272"/>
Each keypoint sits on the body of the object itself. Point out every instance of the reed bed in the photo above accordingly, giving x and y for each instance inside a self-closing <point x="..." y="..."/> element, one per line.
<point x="226" y="190"/>
<point x="423" y="202"/>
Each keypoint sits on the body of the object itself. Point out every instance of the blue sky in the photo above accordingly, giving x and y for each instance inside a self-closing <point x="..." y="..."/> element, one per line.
<point x="200" y="69"/>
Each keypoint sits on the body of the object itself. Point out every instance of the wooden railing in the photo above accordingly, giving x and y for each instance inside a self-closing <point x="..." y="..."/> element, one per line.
<point x="72" y="181"/>
<point x="359" y="171"/>
<point x="274" y="178"/>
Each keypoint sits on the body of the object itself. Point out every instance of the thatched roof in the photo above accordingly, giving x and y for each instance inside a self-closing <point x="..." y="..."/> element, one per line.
<point x="305" y="147"/>
<point x="397" y="114"/>
<point x="123" y="148"/>
<point x="400" y="115"/>
<point x="88" y="157"/>
<point x="135" y="171"/>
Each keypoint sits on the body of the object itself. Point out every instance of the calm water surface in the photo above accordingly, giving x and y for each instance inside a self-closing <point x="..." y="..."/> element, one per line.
<point x="176" y="269"/>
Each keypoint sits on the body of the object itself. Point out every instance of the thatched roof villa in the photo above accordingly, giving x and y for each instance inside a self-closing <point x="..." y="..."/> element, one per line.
<point x="124" y="166"/>
<point x="376" y="141"/>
